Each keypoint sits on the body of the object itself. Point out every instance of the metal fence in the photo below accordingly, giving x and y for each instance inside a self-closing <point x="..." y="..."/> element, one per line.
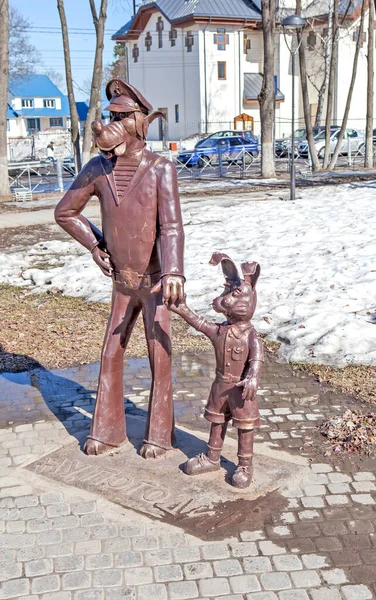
<point x="243" y="164"/>
<point x="39" y="177"/>
<point x="49" y="176"/>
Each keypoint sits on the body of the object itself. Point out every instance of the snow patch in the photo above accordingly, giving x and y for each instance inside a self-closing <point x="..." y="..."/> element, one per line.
<point x="317" y="289"/>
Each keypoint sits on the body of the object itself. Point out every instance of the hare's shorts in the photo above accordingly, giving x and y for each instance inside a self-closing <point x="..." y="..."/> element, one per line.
<point x="225" y="403"/>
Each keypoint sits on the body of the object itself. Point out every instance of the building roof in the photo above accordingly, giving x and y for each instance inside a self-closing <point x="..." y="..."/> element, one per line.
<point x="83" y="107"/>
<point x="34" y="86"/>
<point x="252" y="87"/>
<point x="11" y="113"/>
<point x="123" y="30"/>
<point x="176" y="10"/>
<point x="179" y="9"/>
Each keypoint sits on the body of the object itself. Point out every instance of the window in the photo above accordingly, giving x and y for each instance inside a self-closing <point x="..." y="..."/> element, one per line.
<point x="189" y="41"/>
<point x="27" y="103"/>
<point x="221" y="39"/>
<point x="172" y="35"/>
<point x="235" y="141"/>
<point x="311" y="40"/>
<point x="49" y="103"/>
<point x="246" y="44"/>
<point x="176" y="113"/>
<point x="356" y="35"/>
<point x="56" y="122"/>
<point x="135" y="53"/>
<point x="33" y="125"/>
<point x="148" y="41"/>
<point x="159" y="28"/>
<point x="221" y="70"/>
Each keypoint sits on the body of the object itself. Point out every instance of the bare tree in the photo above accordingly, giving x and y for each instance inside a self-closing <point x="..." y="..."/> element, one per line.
<point x="319" y="68"/>
<point x="75" y="128"/>
<point x="4" y="79"/>
<point x="331" y="82"/>
<point x="370" y="86"/>
<point x="305" y="96"/>
<point x="95" y="104"/>
<point x="326" y="45"/>
<point x="23" y="56"/>
<point x="359" y="42"/>
<point x="266" y="96"/>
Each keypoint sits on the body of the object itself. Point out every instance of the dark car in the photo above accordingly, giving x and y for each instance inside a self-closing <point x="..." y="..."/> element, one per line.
<point x="247" y="133"/>
<point x="234" y="149"/>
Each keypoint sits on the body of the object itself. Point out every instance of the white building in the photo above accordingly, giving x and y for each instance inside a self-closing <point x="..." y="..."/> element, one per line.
<point x="201" y="63"/>
<point x="36" y="105"/>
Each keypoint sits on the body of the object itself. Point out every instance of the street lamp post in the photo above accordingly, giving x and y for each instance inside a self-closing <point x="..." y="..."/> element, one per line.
<point x="290" y="25"/>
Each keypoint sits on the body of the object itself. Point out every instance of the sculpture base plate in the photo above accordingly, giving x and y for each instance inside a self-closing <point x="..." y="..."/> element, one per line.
<point x="204" y="505"/>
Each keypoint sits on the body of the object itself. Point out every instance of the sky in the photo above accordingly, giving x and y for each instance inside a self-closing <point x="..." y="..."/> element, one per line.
<point x="45" y="34"/>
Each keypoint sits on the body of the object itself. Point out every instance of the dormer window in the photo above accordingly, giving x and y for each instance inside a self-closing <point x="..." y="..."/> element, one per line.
<point x="49" y="103"/>
<point x="172" y="35"/>
<point x="27" y="103"/>
<point x="159" y="28"/>
<point x="221" y="39"/>
<point x="189" y="41"/>
<point x="148" y="41"/>
<point x="135" y="53"/>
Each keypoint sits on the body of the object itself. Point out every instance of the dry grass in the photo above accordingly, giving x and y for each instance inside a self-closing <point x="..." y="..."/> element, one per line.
<point x="355" y="380"/>
<point x="57" y="331"/>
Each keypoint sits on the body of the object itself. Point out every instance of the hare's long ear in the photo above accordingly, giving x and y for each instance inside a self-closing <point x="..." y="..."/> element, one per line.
<point x="251" y="272"/>
<point x="228" y="266"/>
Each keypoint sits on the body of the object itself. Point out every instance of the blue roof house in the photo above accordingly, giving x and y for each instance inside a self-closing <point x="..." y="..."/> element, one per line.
<point x="37" y="105"/>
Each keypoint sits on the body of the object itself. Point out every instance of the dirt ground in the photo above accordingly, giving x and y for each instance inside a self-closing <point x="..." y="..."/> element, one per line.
<point x="356" y="380"/>
<point x="57" y="331"/>
<point x="14" y="238"/>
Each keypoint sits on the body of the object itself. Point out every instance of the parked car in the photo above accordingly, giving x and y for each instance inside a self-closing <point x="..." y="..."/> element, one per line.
<point x="353" y="140"/>
<point x="362" y="147"/>
<point x="247" y="133"/>
<point x="283" y="147"/>
<point x="206" y="151"/>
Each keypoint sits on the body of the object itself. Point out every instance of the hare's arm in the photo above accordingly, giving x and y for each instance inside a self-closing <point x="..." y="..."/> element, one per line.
<point x="199" y="323"/>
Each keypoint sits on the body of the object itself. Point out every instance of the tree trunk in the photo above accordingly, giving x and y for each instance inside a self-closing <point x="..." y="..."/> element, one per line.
<point x="328" y="54"/>
<point x="4" y="80"/>
<point x="351" y="88"/>
<point x="306" y="106"/>
<point x="369" y="122"/>
<point x="95" y="104"/>
<point x="332" y="75"/>
<point x="266" y="97"/>
<point x="75" y="128"/>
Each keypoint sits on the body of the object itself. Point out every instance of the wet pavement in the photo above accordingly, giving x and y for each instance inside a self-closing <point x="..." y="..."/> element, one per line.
<point x="306" y="530"/>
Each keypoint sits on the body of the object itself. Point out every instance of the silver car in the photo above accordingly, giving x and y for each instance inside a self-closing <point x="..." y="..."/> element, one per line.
<point x="351" y="143"/>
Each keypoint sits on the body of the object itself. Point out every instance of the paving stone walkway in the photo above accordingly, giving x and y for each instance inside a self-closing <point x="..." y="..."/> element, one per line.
<point x="58" y="542"/>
